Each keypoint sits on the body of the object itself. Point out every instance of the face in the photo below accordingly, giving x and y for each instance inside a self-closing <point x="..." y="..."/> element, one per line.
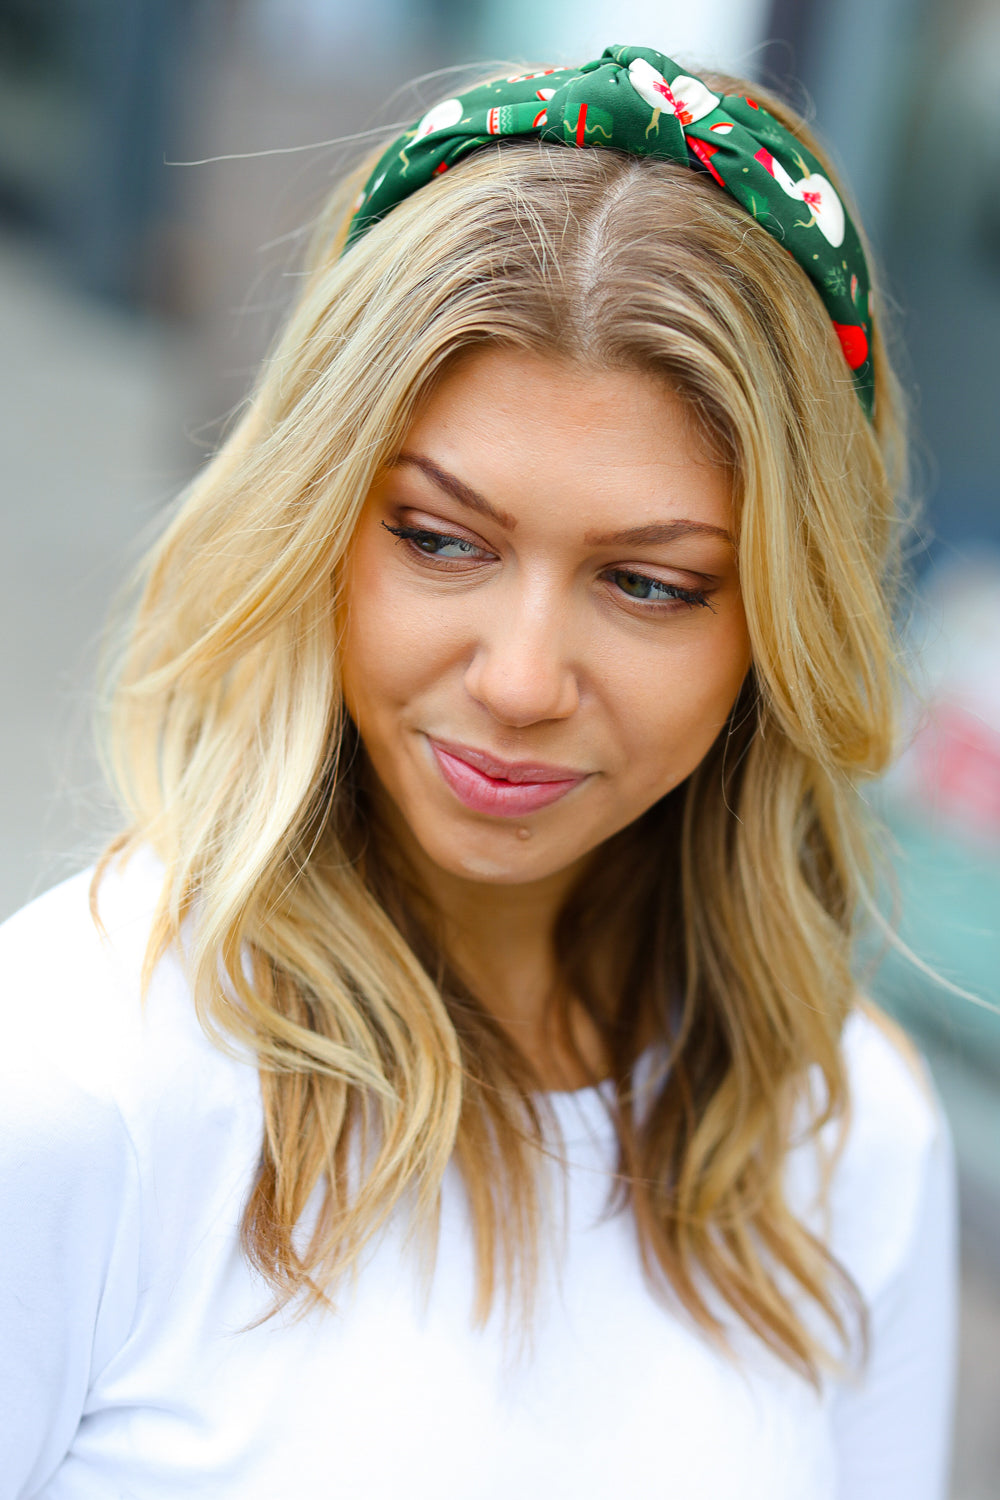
<point x="542" y="630"/>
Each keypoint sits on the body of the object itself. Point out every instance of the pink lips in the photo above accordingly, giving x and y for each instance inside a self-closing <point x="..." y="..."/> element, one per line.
<point x="507" y="789"/>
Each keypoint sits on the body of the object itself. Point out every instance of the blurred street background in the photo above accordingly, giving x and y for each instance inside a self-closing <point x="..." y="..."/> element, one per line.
<point x="160" y="161"/>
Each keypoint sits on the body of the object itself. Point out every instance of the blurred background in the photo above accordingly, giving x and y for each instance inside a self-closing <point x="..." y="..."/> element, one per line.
<point x="160" y="161"/>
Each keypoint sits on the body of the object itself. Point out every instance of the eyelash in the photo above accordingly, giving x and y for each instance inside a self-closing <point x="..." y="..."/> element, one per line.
<point x="691" y="598"/>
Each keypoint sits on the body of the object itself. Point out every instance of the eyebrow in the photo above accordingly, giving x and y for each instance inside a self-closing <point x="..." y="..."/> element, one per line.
<point x="459" y="490"/>
<point x="655" y="534"/>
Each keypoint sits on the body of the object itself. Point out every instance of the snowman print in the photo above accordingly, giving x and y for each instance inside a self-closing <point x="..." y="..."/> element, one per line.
<point x="687" y="98"/>
<point x="812" y="189"/>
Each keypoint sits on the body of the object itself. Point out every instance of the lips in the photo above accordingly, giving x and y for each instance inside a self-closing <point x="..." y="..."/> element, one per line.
<point x="510" y="789"/>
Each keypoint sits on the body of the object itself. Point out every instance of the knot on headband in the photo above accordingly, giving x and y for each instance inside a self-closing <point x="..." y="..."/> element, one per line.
<point x="635" y="100"/>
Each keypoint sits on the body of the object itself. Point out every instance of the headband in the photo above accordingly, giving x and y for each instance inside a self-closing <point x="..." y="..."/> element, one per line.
<point x="636" y="100"/>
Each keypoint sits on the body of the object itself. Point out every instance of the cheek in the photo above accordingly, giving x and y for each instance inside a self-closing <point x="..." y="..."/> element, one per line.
<point x="368" y="649"/>
<point x="393" y="644"/>
<point x="671" y="712"/>
<point x="384" y="655"/>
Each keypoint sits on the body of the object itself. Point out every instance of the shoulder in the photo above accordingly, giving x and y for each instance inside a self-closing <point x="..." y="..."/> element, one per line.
<point x="876" y="1165"/>
<point x="72" y="1009"/>
<point x="69" y="1164"/>
<point x="69" y="986"/>
<point x="892" y="1101"/>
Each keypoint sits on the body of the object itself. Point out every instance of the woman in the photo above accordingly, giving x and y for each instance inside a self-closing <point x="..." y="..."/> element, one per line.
<point x="456" y="1083"/>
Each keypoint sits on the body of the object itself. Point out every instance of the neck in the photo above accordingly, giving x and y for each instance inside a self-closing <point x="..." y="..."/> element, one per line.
<point x="500" y="939"/>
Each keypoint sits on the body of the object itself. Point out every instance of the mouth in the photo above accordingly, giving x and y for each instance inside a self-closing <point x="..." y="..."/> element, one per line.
<point x="508" y="789"/>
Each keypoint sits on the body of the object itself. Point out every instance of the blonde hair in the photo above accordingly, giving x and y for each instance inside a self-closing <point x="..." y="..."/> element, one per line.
<point x="734" y="924"/>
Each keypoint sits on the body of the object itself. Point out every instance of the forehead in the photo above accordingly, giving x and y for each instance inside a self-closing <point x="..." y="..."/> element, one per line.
<point x="595" y="446"/>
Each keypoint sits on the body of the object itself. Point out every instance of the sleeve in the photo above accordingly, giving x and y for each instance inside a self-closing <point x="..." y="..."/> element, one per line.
<point x="892" y="1430"/>
<point x="69" y="1227"/>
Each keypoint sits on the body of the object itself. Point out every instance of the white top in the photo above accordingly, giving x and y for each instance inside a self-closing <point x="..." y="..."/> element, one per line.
<point x="128" y="1143"/>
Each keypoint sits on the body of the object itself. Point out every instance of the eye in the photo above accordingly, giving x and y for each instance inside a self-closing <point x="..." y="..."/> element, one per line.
<point x="655" y="591"/>
<point x="435" y="543"/>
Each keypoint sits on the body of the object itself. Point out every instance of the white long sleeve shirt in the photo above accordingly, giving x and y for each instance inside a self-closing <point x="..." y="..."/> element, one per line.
<point x="129" y="1371"/>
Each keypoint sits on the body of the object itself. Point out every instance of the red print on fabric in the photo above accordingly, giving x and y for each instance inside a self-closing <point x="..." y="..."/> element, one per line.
<point x="677" y="105"/>
<point x="853" y="342"/>
<point x="704" y="152"/>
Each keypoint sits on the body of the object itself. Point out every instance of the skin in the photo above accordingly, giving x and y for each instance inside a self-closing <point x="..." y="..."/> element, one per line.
<point x="524" y="633"/>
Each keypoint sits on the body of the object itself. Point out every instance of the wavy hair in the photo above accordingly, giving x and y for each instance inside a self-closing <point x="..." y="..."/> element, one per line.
<point x="733" y="902"/>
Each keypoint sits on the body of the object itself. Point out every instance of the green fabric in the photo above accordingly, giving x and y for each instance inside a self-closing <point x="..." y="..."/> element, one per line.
<point x="636" y="100"/>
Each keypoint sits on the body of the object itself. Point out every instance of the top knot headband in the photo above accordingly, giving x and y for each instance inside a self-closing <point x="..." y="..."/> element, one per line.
<point x="639" y="101"/>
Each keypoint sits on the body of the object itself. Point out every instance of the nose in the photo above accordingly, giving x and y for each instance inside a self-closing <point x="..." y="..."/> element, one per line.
<point x="522" y="669"/>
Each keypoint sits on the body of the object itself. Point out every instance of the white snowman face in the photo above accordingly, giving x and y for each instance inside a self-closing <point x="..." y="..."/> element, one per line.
<point x="818" y="195"/>
<point x="821" y="198"/>
<point x="687" y="98"/>
<point x="696" y="100"/>
<point x="443" y="115"/>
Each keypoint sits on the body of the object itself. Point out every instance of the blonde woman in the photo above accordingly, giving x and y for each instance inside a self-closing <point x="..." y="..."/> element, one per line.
<point x="453" y="1080"/>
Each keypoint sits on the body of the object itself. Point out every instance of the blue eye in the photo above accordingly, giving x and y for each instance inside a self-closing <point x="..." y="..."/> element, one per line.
<point x="434" y="543"/>
<point x="638" y="586"/>
<point x="654" y="591"/>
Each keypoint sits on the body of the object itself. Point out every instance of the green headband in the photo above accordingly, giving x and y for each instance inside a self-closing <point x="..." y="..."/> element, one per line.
<point x="638" y="101"/>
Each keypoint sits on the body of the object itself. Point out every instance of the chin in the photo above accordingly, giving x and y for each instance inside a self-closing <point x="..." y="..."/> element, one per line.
<point x="492" y="871"/>
<point x="500" y="855"/>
